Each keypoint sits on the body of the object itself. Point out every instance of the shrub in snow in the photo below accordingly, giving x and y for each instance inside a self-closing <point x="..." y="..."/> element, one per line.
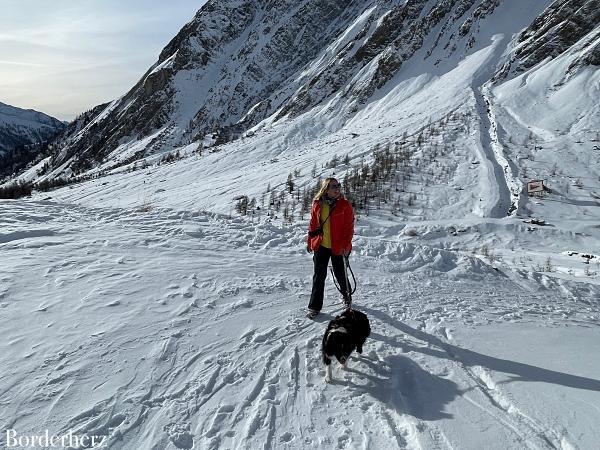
<point x="410" y="232"/>
<point x="16" y="190"/>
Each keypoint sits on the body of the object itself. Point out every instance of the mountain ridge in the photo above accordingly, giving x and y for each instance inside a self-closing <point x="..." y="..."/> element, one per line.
<point x="198" y="92"/>
<point x="22" y="132"/>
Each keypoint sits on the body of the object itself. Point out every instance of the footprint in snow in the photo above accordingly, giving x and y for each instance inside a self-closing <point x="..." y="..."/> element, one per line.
<point x="286" y="437"/>
<point x="243" y="303"/>
<point x="182" y="439"/>
<point x="266" y="335"/>
<point x="221" y="414"/>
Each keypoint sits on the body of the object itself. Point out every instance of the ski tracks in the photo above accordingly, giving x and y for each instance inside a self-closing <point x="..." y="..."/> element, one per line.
<point x="283" y="401"/>
<point x="506" y="410"/>
<point x="213" y="362"/>
<point x="439" y="382"/>
<point x="269" y="386"/>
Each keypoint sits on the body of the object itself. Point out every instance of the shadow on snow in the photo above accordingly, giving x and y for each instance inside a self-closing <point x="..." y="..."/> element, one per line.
<point x="519" y="371"/>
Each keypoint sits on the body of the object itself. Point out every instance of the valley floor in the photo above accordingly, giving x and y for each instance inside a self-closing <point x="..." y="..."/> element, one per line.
<point x="163" y="329"/>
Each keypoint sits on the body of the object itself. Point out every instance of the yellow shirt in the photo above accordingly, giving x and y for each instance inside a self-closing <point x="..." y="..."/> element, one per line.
<point x="326" y="242"/>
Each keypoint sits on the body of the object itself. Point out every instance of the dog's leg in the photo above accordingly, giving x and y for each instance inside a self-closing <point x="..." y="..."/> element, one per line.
<point x="327" y="362"/>
<point x="360" y="343"/>
<point x="359" y="347"/>
<point x="328" y="373"/>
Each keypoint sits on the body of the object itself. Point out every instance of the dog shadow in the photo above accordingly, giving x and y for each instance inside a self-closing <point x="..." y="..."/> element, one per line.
<point x="402" y="384"/>
<point x="517" y="371"/>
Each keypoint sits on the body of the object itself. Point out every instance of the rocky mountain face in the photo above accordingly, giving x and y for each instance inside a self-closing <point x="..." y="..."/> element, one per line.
<point x="564" y="24"/>
<point x="230" y="57"/>
<point x="22" y="133"/>
<point x="239" y="62"/>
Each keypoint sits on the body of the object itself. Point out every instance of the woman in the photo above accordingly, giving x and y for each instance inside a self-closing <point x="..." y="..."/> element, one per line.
<point x="330" y="233"/>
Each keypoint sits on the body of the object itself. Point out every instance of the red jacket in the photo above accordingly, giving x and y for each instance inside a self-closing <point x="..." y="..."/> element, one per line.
<point x="341" y="225"/>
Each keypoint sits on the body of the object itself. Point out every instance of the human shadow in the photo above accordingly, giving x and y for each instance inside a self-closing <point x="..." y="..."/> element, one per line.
<point x="518" y="371"/>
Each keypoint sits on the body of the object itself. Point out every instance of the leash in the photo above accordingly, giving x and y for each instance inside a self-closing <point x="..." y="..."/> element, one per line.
<point x="347" y="268"/>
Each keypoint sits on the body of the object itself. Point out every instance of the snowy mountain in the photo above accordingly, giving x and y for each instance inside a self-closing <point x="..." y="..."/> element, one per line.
<point x="239" y="63"/>
<point x="19" y="129"/>
<point x="158" y="300"/>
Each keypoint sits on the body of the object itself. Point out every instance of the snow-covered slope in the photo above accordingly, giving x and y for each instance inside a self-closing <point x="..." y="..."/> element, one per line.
<point x="239" y="63"/>
<point x="134" y="307"/>
<point x="20" y="128"/>
<point x="172" y="329"/>
<point x="24" y="126"/>
<point x="142" y="306"/>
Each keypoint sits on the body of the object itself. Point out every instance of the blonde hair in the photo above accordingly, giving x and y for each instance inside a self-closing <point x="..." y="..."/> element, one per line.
<point x="324" y="188"/>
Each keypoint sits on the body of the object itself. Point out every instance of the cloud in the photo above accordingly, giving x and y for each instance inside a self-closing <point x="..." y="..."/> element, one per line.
<point x="83" y="53"/>
<point x="21" y="63"/>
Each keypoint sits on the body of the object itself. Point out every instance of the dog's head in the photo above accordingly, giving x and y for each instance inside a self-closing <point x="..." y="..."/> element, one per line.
<point x="338" y="343"/>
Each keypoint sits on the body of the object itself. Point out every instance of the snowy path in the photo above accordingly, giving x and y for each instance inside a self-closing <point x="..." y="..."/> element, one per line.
<point x="505" y="200"/>
<point x="184" y="330"/>
<point x="510" y="171"/>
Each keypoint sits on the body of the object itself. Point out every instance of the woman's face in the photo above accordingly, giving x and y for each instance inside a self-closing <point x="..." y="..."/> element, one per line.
<point x="334" y="189"/>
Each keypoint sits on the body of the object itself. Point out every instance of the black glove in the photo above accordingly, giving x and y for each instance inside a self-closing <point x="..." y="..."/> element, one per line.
<point x="308" y="249"/>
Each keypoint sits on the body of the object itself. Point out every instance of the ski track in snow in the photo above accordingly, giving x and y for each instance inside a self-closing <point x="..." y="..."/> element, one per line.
<point x="215" y="352"/>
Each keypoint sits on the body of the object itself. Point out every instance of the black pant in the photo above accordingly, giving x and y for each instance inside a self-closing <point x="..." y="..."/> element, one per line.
<point x="321" y="259"/>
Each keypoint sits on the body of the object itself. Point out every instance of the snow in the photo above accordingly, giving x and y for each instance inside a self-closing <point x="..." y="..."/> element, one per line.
<point x="347" y="36"/>
<point x="24" y="125"/>
<point x="166" y="64"/>
<point x="141" y="307"/>
<point x="25" y="118"/>
<point x="164" y="328"/>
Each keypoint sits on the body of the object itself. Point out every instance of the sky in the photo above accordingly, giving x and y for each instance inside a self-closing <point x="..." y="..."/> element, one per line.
<point x="63" y="57"/>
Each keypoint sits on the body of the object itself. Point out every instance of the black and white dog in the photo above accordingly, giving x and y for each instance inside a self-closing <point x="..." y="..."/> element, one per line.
<point x="344" y="334"/>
